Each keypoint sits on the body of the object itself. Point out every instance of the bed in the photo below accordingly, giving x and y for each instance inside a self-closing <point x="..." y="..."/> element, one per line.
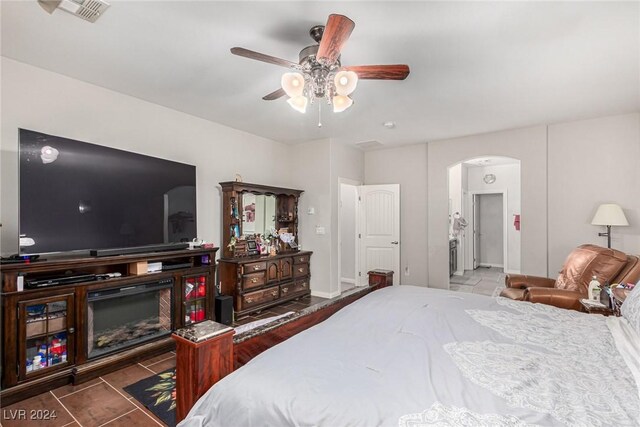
<point x="412" y="356"/>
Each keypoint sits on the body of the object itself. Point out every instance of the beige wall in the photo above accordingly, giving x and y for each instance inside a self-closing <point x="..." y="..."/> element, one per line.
<point x="407" y="166"/>
<point x="592" y="162"/>
<point x="40" y="100"/>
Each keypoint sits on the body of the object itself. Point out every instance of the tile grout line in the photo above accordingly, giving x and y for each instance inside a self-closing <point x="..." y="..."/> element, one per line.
<point x="65" y="408"/>
<point x="133" y="403"/>
<point x="82" y="389"/>
<point x="119" y="416"/>
<point x="146" y="368"/>
<point x="159" y="361"/>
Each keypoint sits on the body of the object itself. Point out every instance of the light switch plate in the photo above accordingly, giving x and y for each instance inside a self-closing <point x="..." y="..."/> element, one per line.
<point x="311" y="211"/>
<point x="320" y="230"/>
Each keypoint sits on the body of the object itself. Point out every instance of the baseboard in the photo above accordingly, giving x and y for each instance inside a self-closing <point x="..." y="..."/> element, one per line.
<point x="328" y="295"/>
<point x="491" y="265"/>
<point x="458" y="273"/>
<point x="512" y="271"/>
<point x="345" y="280"/>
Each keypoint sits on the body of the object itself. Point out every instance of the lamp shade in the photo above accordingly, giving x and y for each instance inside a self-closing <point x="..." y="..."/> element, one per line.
<point x="298" y="103"/>
<point x="609" y="214"/>
<point x="341" y="103"/>
<point x="345" y="82"/>
<point x="293" y="84"/>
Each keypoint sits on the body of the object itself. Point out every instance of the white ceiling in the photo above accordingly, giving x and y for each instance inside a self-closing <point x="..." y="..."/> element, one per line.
<point x="475" y="67"/>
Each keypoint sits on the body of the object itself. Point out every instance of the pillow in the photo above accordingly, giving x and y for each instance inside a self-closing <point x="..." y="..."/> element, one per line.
<point x="630" y="308"/>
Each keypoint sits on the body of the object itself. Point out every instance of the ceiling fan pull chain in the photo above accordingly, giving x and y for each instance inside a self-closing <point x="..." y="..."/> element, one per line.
<point x="319" y="114"/>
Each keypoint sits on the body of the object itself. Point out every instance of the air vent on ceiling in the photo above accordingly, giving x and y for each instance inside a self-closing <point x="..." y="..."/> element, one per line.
<point x="368" y="145"/>
<point x="89" y="10"/>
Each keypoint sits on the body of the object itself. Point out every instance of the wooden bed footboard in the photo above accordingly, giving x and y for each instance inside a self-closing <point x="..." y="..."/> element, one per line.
<point x="200" y="365"/>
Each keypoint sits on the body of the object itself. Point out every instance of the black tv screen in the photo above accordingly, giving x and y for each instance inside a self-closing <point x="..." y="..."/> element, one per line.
<point x="77" y="196"/>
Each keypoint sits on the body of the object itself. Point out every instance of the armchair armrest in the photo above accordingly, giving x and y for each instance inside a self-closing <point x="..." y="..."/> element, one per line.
<point x="522" y="281"/>
<point x="561" y="298"/>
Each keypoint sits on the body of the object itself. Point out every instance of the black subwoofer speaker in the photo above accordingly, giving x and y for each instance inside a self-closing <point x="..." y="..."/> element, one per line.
<point x="224" y="309"/>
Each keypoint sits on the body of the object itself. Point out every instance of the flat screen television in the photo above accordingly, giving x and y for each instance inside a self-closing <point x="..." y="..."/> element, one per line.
<point x="77" y="196"/>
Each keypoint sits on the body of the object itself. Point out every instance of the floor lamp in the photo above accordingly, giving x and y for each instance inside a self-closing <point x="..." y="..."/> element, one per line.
<point x="609" y="215"/>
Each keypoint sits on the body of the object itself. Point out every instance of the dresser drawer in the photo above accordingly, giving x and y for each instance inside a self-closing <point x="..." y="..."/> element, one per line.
<point x="301" y="259"/>
<point x="297" y="287"/>
<point x="300" y="270"/>
<point x="255" y="266"/>
<point x="255" y="298"/>
<point x="253" y="280"/>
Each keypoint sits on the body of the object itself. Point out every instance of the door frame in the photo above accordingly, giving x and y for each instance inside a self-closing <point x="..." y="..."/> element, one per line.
<point x="470" y="237"/>
<point x="355" y="184"/>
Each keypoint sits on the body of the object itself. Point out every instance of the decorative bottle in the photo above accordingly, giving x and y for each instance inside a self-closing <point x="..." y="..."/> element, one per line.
<point x="594" y="289"/>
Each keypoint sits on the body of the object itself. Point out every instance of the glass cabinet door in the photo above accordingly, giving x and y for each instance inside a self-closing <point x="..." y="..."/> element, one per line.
<point x="47" y="335"/>
<point x="196" y="294"/>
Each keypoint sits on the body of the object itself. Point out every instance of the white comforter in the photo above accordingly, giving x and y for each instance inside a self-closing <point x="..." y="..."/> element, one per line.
<point x="414" y="356"/>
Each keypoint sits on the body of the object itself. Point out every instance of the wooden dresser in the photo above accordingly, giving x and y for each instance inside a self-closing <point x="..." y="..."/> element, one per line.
<point x="249" y="213"/>
<point x="264" y="281"/>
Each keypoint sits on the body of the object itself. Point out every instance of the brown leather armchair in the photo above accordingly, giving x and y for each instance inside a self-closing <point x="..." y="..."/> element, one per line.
<point x="584" y="262"/>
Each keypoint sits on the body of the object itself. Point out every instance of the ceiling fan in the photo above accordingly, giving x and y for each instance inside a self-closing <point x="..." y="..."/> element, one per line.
<point x="319" y="73"/>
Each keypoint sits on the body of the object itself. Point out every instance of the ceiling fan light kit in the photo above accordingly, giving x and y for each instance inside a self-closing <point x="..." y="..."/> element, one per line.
<point x="319" y="73"/>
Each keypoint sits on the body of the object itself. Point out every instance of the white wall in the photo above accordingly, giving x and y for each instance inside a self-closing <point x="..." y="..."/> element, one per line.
<point x="407" y="166"/>
<point x="348" y="211"/>
<point x="36" y="99"/>
<point x="455" y="195"/>
<point x="592" y="162"/>
<point x="507" y="180"/>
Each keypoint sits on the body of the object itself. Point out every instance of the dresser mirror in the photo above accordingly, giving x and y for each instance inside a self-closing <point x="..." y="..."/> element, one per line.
<point x="258" y="213"/>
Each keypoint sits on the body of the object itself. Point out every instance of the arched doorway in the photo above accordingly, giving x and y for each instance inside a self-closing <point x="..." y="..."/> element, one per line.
<point x="484" y="223"/>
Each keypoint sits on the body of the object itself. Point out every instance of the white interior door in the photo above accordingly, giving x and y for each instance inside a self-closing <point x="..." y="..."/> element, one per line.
<point x="379" y="207"/>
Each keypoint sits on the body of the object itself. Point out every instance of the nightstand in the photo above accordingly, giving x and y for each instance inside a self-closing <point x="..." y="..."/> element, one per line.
<point x="589" y="307"/>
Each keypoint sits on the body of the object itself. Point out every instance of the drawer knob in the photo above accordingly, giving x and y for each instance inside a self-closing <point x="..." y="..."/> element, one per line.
<point x="274" y="293"/>
<point x="254" y="280"/>
<point x="300" y="270"/>
<point x="301" y="259"/>
<point x="304" y="284"/>
<point x="285" y="290"/>
<point x="257" y="267"/>
<point x="249" y="300"/>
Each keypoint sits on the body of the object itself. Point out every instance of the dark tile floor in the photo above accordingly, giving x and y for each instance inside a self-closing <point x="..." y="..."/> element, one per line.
<point x="103" y="401"/>
<point x="98" y="402"/>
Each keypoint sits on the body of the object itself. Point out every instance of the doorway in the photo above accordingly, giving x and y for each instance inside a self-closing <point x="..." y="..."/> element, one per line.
<point x="348" y="229"/>
<point x="488" y="230"/>
<point x="484" y="223"/>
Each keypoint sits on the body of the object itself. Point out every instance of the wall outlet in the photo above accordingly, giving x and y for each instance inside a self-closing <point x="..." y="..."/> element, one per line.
<point x="311" y="211"/>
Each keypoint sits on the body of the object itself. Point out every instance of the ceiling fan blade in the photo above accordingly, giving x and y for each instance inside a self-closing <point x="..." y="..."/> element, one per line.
<point x="274" y="95"/>
<point x="380" y="72"/>
<point x="336" y="33"/>
<point x="240" y="51"/>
